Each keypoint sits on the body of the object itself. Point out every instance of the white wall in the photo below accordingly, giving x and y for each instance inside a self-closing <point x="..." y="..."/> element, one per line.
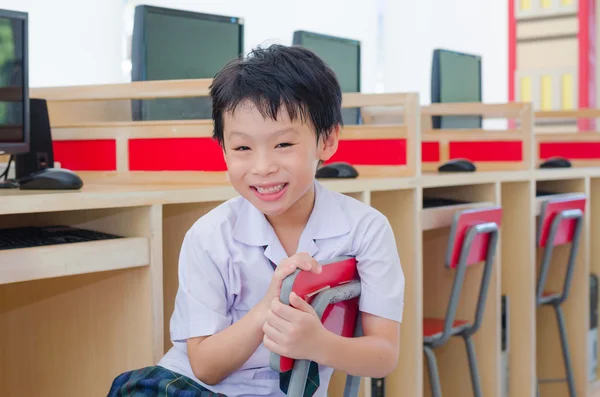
<point x="413" y="29"/>
<point x="71" y="42"/>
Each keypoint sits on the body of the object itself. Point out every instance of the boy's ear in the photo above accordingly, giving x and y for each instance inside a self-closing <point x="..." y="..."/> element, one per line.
<point x="330" y="144"/>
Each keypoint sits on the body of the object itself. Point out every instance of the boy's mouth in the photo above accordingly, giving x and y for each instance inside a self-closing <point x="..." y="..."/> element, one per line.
<point x="270" y="192"/>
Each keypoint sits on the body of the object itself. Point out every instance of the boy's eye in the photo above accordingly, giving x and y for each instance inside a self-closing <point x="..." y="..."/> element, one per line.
<point x="241" y="148"/>
<point x="285" y="144"/>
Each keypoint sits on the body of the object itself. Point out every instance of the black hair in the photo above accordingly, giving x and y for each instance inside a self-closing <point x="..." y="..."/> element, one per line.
<point x="275" y="76"/>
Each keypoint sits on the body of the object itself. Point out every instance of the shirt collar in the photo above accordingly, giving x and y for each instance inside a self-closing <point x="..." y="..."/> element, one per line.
<point x="327" y="220"/>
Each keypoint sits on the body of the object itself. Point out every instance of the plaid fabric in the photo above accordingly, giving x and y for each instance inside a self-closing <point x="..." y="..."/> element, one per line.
<point x="157" y="381"/>
<point x="312" y="380"/>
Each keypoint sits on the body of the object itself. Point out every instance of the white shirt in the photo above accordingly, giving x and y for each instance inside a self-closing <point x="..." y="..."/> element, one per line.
<point x="224" y="271"/>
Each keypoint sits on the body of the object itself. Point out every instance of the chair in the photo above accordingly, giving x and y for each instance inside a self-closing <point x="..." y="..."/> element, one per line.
<point x="334" y="295"/>
<point x="559" y="223"/>
<point x="473" y="239"/>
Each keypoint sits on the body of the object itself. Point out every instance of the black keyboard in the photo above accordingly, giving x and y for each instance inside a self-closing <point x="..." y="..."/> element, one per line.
<point x="27" y="237"/>
<point x="542" y="193"/>
<point x="432" y="202"/>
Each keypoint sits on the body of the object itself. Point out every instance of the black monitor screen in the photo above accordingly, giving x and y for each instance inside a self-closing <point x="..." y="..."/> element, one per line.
<point x="13" y="82"/>
<point x="342" y="56"/>
<point x="456" y="77"/>
<point x="173" y="44"/>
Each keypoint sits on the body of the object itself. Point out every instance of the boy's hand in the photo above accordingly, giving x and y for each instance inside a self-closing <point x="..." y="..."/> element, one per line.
<point x="288" y="266"/>
<point x="293" y="331"/>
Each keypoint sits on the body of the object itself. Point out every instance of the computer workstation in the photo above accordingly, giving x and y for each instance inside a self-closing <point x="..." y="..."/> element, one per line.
<point x="24" y="125"/>
<point x="25" y="135"/>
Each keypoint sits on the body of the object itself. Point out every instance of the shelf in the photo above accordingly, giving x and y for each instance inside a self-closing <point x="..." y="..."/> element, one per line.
<point x="438" y="217"/>
<point x="26" y="264"/>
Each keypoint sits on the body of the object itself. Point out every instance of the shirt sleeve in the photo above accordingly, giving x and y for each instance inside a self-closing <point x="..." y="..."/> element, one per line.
<point x="380" y="271"/>
<point x="201" y="307"/>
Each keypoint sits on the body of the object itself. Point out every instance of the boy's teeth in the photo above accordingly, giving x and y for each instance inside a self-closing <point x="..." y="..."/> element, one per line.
<point x="268" y="190"/>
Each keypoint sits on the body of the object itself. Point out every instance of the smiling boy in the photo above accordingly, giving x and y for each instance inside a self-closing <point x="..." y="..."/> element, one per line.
<point x="277" y="115"/>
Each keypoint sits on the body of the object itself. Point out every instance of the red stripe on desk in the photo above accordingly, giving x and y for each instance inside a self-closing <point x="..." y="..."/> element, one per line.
<point x="487" y="151"/>
<point x="92" y="155"/>
<point x="176" y="154"/>
<point x="570" y="150"/>
<point x="371" y="152"/>
<point x="430" y="152"/>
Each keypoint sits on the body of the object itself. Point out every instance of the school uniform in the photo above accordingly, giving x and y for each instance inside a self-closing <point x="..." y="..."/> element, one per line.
<point x="225" y="268"/>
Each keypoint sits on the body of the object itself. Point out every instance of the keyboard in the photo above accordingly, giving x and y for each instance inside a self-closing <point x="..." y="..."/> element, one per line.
<point x="27" y="237"/>
<point x="542" y="193"/>
<point x="432" y="202"/>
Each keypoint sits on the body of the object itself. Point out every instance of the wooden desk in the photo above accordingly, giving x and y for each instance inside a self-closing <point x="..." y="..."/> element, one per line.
<point x="88" y="312"/>
<point x="80" y="316"/>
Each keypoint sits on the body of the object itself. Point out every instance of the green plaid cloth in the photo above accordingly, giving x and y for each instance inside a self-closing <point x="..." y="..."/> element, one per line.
<point x="157" y="381"/>
<point x="312" y="380"/>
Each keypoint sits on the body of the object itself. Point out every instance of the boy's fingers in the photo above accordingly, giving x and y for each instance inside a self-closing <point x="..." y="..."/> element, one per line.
<point x="285" y="312"/>
<point x="301" y="304"/>
<point x="309" y="263"/>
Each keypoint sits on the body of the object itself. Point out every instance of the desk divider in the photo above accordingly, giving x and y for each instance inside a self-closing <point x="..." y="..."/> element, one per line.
<point x="105" y="309"/>
<point x="557" y="135"/>
<point x="489" y="150"/>
<point x="85" y="120"/>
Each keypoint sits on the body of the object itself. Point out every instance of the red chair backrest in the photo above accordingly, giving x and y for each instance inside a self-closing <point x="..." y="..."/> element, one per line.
<point x="339" y="318"/>
<point x="461" y="224"/>
<point x="566" y="229"/>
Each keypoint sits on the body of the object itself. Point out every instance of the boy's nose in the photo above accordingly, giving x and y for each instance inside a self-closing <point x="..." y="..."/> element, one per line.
<point x="263" y="165"/>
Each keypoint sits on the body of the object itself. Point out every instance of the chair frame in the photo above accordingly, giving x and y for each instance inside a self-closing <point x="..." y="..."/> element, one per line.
<point x="466" y="332"/>
<point x="556" y="300"/>
<point x="325" y="295"/>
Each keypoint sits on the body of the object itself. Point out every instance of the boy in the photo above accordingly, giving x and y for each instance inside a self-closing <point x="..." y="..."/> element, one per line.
<point x="277" y="115"/>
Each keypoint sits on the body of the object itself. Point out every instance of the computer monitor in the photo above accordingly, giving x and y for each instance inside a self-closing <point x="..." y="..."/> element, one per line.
<point x="342" y="55"/>
<point x="170" y="44"/>
<point x="455" y="77"/>
<point x="14" y="88"/>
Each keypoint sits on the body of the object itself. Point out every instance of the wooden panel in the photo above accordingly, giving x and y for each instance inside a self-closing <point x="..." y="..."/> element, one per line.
<point x="27" y="264"/>
<point x="518" y="284"/>
<point x="402" y="209"/>
<point x="74" y="333"/>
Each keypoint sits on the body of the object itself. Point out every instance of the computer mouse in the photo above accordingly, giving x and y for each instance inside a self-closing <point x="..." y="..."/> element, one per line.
<point x="457" y="165"/>
<point x="337" y="170"/>
<point x="51" y="179"/>
<point x="556" y="162"/>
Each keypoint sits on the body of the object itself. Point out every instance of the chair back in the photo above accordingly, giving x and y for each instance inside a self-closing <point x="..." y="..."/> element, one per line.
<point x="334" y="294"/>
<point x="560" y="222"/>
<point x="473" y="239"/>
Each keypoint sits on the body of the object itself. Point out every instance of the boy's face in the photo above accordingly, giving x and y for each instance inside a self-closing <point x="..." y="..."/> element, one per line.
<point x="272" y="163"/>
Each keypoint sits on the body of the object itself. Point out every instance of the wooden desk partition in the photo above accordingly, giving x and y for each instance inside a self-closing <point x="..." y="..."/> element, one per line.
<point x="564" y="139"/>
<point x="489" y="150"/>
<point x="98" y="119"/>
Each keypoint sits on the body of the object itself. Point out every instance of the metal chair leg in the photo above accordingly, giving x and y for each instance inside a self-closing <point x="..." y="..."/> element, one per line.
<point x="565" y="349"/>
<point x="473" y="367"/>
<point x="434" y="378"/>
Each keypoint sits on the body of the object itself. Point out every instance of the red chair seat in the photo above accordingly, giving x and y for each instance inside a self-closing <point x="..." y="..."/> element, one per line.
<point x="435" y="326"/>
